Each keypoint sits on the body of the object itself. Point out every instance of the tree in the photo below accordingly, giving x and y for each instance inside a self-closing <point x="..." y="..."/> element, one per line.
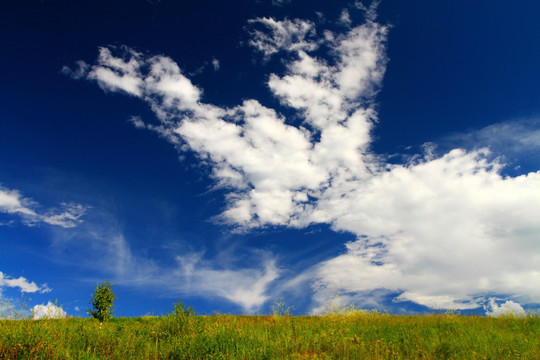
<point x="102" y="302"/>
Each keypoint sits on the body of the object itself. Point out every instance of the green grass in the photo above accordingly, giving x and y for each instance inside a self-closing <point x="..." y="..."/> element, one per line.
<point x="354" y="336"/>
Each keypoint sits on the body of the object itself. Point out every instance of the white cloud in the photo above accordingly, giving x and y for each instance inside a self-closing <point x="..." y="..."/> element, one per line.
<point x="509" y="308"/>
<point x="444" y="232"/>
<point x="274" y="166"/>
<point x="194" y="276"/>
<point x="515" y="141"/>
<point x="137" y="122"/>
<point x="280" y="2"/>
<point x="215" y="64"/>
<point x="12" y="202"/>
<point x="245" y="286"/>
<point x="224" y="276"/>
<point x="345" y="18"/>
<point x="78" y="73"/>
<point x="23" y="284"/>
<point x="289" y="35"/>
<point x="49" y="311"/>
<point x="68" y="217"/>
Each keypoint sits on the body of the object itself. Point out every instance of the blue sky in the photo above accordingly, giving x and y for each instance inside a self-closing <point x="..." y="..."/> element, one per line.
<point x="232" y="153"/>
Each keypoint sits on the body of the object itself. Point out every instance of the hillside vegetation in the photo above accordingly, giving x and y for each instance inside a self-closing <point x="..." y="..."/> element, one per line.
<point x="359" y="335"/>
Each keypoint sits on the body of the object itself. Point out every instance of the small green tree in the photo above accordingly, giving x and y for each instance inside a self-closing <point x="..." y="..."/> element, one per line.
<point x="102" y="302"/>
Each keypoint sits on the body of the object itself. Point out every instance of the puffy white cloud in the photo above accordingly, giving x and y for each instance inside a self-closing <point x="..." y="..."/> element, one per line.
<point x="12" y="202"/>
<point x="23" y="284"/>
<point x="444" y="232"/>
<point x="509" y="308"/>
<point x="49" y="311"/>
<point x="272" y="165"/>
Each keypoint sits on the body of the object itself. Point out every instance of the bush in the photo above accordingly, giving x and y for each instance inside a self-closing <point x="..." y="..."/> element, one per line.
<point x="179" y="309"/>
<point x="336" y="306"/>
<point x="280" y="309"/>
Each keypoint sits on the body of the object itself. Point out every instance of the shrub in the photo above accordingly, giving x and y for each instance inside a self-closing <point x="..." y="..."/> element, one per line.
<point x="179" y="309"/>
<point x="280" y="309"/>
<point x="336" y="306"/>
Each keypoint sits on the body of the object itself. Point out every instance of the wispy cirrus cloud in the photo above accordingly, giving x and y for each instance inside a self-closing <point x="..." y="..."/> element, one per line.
<point x="12" y="202"/>
<point x="247" y="287"/>
<point x="100" y="244"/>
<point x="441" y="231"/>
<point x="515" y="142"/>
<point x="280" y="2"/>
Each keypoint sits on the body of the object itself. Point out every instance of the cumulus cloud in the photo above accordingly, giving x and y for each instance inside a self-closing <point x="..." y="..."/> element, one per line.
<point x="509" y="308"/>
<point x="23" y="284"/>
<point x="440" y="231"/>
<point x="274" y="167"/>
<point x="49" y="311"/>
<point x="68" y="216"/>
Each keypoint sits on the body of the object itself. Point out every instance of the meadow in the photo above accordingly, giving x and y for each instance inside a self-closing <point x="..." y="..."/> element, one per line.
<point x="356" y="335"/>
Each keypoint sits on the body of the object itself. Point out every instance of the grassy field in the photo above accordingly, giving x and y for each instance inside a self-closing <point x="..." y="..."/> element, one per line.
<point x="353" y="336"/>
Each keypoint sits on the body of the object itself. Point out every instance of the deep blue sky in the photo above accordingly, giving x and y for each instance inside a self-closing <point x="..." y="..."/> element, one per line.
<point x="147" y="213"/>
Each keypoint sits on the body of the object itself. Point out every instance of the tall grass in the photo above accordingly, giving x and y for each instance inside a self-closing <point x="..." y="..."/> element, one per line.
<point x="358" y="335"/>
<point x="14" y="309"/>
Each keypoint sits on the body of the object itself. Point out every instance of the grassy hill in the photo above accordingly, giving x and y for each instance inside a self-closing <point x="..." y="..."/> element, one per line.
<point x="358" y="335"/>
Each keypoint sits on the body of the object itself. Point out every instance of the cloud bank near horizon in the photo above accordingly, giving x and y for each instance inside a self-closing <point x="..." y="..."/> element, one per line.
<point x="48" y="311"/>
<point x="445" y="232"/>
